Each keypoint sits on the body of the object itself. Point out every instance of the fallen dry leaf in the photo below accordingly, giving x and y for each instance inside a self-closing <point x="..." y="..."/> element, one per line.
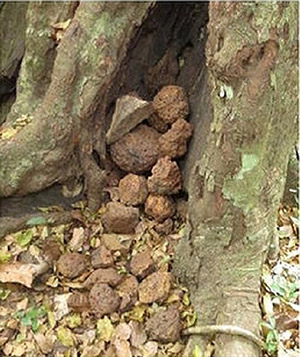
<point x="21" y="273"/>
<point x="77" y="240"/>
<point x="45" y="343"/>
<point x="122" y="348"/>
<point x="138" y="335"/>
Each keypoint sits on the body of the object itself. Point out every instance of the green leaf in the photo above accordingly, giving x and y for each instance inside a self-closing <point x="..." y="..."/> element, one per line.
<point x="30" y="318"/>
<point x="197" y="352"/>
<point x="296" y="221"/>
<point x="272" y="341"/>
<point x="74" y="320"/>
<point x="36" y="221"/>
<point x="191" y="319"/>
<point x="51" y="319"/>
<point x="65" y="336"/>
<point x="24" y="238"/>
<point x="5" y="256"/>
<point x="105" y="329"/>
<point x="26" y="321"/>
<point x="186" y="300"/>
<point x="4" y="293"/>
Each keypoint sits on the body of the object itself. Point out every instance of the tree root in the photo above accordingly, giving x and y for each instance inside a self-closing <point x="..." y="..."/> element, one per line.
<point x="12" y="224"/>
<point x="227" y="330"/>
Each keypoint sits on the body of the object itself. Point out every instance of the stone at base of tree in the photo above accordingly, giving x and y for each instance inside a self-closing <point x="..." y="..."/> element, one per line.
<point x="165" y="326"/>
<point x="166" y="178"/>
<point x="130" y="111"/>
<point x="103" y="299"/>
<point x="142" y="264"/>
<point x="71" y="265"/>
<point x="102" y="257"/>
<point x="159" y="207"/>
<point x="128" y="292"/>
<point x="155" y="288"/>
<point x="119" y="218"/>
<point x="108" y="276"/>
<point x="137" y="151"/>
<point x="174" y="142"/>
<point x="133" y="190"/>
<point x="117" y="242"/>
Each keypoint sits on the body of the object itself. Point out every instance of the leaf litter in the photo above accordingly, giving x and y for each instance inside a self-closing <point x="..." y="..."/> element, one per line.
<point x="36" y="317"/>
<point x="280" y="290"/>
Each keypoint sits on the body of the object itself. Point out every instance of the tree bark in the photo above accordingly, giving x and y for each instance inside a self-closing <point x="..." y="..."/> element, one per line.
<point x="235" y="169"/>
<point x="56" y="139"/>
<point x="236" y="181"/>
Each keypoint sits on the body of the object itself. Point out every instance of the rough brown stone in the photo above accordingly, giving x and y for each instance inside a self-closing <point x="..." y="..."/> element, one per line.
<point x="108" y="276"/>
<point x="51" y="250"/>
<point x="142" y="264"/>
<point x="171" y="104"/>
<point x="129" y="112"/>
<point x="102" y="257"/>
<point x="174" y="142"/>
<point x="165" y="227"/>
<point x="79" y="302"/>
<point x="159" y="207"/>
<point x="119" y="218"/>
<point x="133" y="190"/>
<point x="137" y="151"/>
<point x="164" y="326"/>
<point x="103" y="299"/>
<point x="117" y="243"/>
<point x="71" y="265"/>
<point x="157" y="123"/>
<point x="154" y="288"/>
<point x="113" y="173"/>
<point x="128" y="292"/>
<point x="166" y="177"/>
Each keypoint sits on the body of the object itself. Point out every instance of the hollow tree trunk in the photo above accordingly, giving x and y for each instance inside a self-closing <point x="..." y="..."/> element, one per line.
<point x="235" y="169"/>
<point x="54" y="139"/>
<point x="235" y="182"/>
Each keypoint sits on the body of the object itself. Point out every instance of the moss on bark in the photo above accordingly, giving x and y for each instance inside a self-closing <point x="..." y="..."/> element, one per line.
<point x="235" y="187"/>
<point x="45" y="149"/>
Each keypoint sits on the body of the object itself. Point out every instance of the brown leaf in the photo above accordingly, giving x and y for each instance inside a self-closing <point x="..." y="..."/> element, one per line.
<point x="45" y="343"/>
<point x="122" y="348"/>
<point x="21" y="273"/>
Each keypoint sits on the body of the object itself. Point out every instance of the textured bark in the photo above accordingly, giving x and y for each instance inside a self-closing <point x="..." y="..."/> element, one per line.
<point x="291" y="190"/>
<point x="12" y="39"/>
<point x="236" y="181"/>
<point x="59" y="132"/>
<point x="40" y="52"/>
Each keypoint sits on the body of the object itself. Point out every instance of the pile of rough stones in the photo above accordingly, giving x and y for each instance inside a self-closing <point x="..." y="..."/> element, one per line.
<point x="153" y="146"/>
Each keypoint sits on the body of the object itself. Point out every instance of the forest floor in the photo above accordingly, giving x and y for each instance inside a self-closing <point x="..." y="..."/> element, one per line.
<point x="280" y="290"/>
<point x="52" y="314"/>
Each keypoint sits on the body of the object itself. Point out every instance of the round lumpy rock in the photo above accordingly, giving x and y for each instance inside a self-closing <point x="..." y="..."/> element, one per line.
<point x="165" y="326"/>
<point x="171" y="104"/>
<point x="133" y="189"/>
<point x="137" y="151"/>
<point x="159" y="207"/>
<point x="174" y="142"/>
<point x="166" y="177"/>
<point x="71" y="265"/>
<point x="103" y="299"/>
<point x="155" y="288"/>
<point x="119" y="218"/>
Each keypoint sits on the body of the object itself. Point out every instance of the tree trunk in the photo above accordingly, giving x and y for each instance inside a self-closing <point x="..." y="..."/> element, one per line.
<point x="236" y="181"/>
<point x="237" y="160"/>
<point x="53" y="140"/>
